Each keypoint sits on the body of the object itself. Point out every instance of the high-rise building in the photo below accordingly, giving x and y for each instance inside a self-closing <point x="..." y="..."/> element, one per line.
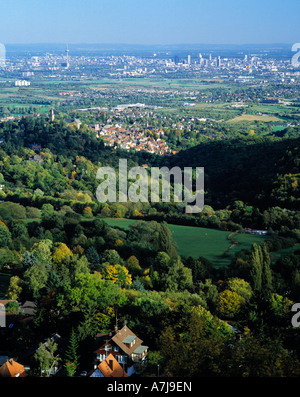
<point x="189" y="60"/>
<point x="200" y="59"/>
<point x="67" y="52"/>
<point x="66" y="64"/>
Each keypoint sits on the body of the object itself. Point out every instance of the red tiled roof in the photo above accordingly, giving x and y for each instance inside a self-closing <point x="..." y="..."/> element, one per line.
<point x="12" y="369"/>
<point x="111" y="368"/>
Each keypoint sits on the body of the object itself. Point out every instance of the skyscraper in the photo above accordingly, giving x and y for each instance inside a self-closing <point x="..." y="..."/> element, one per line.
<point x="66" y="64"/>
<point x="67" y="52"/>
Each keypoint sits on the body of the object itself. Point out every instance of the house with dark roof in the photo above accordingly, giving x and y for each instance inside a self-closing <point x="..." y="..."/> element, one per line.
<point x="74" y="121"/>
<point x="28" y="308"/>
<point x="126" y="348"/>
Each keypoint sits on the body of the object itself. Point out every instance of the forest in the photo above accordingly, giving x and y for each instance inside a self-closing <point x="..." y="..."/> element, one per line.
<point x="82" y="273"/>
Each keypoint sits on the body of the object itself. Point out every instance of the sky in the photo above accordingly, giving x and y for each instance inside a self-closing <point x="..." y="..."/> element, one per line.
<point x="150" y="21"/>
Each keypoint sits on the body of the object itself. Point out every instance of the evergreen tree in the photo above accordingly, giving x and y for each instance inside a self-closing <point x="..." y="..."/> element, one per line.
<point x="266" y="271"/>
<point x="71" y="355"/>
<point x="256" y="268"/>
<point x="260" y="272"/>
<point x="165" y="240"/>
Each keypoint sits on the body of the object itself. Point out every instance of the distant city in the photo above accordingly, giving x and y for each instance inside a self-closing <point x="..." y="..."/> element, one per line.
<point x="239" y="64"/>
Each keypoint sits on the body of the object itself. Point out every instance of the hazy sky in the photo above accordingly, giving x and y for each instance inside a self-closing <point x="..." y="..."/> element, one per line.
<point x="150" y="21"/>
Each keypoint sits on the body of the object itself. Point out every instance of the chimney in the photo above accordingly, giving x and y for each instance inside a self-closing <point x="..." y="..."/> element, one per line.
<point x="111" y="364"/>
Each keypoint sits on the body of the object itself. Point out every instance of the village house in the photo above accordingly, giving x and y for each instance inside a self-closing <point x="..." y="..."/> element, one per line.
<point x="132" y="139"/>
<point x="109" y="368"/>
<point x="74" y="121"/>
<point x="125" y="347"/>
<point x="12" y="369"/>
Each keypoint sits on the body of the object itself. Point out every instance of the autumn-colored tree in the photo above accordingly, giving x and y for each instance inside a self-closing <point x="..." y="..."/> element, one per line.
<point x="118" y="242"/>
<point x="87" y="212"/>
<point x="2" y="223"/>
<point x="240" y="286"/>
<point x="15" y="288"/>
<point x="229" y="303"/>
<point x="61" y="253"/>
<point x="118" y="274"/>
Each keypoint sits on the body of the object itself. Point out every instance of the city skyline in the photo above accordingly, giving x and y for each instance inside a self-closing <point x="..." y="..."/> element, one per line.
<point x="149" y="23"/>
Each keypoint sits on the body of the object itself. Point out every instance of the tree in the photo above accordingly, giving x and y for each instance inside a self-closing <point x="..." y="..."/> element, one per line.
<point x="112" y="257"/>
<point x="42" y="250"/>
<point x="5" y="236"/>
<point x="92" y="296"/>
<point x="240" y="286"/>
<point x="208" y="291"/>
<point x="15" y="288"/>
<point x="71" y="355"/>
<point x="178" y="277"/>
<point x="45" y="356"/>
<point x="256" y="268"/>
<point x="36" y="277"/>
<point x="6" y="257"/>
<point x="252" y="356"/>
<point x="12" y="307"/>
<point x="133" y="265"/>
<point x="87" y="212"/>
<point x="195" y="350"/>
<point x="47" y="210"/>
<point x="229" y="303"/>
<point x="92" y="256"/>
<point x="61" y="253"/>
<point x="165" y="239"/>
<point x="260" y="271"/>
<point x="266" y="271"/>
<point x="118" y="274"/>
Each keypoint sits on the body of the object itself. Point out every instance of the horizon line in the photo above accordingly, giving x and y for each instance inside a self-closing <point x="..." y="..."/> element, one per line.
<point x="145" y="44"/>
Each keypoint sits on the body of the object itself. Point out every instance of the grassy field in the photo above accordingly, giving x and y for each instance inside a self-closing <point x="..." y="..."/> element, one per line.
<point x="251" y="117"/>
<point x="286" y="251"/>
<point x="197" y="241"/>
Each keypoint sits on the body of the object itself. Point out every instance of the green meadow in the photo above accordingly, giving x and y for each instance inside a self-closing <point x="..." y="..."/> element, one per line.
<point x="212" y="244"/>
